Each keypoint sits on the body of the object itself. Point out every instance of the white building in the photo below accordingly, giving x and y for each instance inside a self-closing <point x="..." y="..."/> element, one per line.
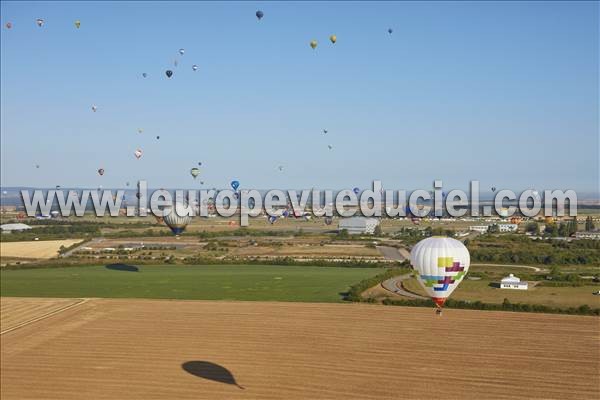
<point x="507" y="227"/>
<point x="587" y="235"/>
<point x="479" y="228"/>
<point x="512" y="282"/>
<point x="358" y="225"/>
<point x="8" y="228"/>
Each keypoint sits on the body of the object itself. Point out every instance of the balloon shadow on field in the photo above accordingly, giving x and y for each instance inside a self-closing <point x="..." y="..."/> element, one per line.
<point x="210" y="371"/>
<point x="123" y="267"/>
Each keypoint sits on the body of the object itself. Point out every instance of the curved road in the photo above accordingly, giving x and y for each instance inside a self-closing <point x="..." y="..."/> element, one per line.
<point x="394" y="284"/>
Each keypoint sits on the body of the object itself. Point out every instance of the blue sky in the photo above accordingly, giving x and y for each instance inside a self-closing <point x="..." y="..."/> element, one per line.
<point x="506" y="93"/>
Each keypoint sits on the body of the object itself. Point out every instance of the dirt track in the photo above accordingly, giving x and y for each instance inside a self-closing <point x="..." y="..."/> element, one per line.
<point x="118" y="349"/>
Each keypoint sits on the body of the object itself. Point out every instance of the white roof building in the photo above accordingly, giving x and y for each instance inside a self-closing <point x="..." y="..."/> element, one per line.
<point x="14" y="227"/>
<point x="479" y="228"/>
<point x="512" y="282"/>
<point x="507" y="227"/>
<point x="358" y="225"/>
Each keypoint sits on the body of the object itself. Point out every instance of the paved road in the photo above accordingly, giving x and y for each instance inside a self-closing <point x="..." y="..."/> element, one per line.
<point x="394" y="285"/>
<point x="85" y="244"/>
<point x="536" y="269"/>
<point x="392" y="253"/>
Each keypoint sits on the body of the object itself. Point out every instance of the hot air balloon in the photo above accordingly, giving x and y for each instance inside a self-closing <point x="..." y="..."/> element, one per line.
<point x="195" y="67"/>
<point x="272" y="219"/>
<point x="202" y="182"/>
<point x="144" y="74"/>
<point x="441" y="263"/>
<point x="37" y="166"/>
<point x="39" y="22"/>
<point x="356" y="190"/>
<point x="94" y="108"/>
<point x="259" y="15"/>
<point x="493" y="188"/>
<point x="140" y="130"/>
<point x="169" y="73"/>
<point x="101" y="171"/>
<point x="280" y="168"/>
<point x="313" y="44"/>
<point x="175" y="222"/>
<point x="158" y="137"/>
<point x="199" y="163"/>
<point x="127" y="184"/>
<point x="333" y="38"/>
<point x="324" y="131"/>
<point x="328" y="220"/>
<point x="235" y="185"/>
<point x="181" y="51"/>
<point x="330" y="147"/>
<point x="77" y="24"/>
<point x="8" y="25"/>
<point x="195" y="172"/>
<point x="138" y="153"/>
<point x="390" y="30"/>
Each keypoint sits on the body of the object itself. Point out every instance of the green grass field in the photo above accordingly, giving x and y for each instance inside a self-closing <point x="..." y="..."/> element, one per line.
<point x="214" y="282"/>
<point x="550" y="296"/>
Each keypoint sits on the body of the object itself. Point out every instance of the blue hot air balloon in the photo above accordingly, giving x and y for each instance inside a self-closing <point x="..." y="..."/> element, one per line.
<point x="272" y="219"/>
<point x="235" y="185"/>
<point x="356" y="190"/>
<point x="259" y="15"/>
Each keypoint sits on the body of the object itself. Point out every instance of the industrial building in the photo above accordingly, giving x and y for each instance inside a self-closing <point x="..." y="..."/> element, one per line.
<point x="358" y="225"/>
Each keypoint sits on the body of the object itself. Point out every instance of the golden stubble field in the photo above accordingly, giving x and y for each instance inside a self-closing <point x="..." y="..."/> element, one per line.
<point x="137" y="349"/>
<point x="36" y="249"/>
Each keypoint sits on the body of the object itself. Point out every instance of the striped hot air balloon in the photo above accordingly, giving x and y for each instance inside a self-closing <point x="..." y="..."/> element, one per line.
<point x="442" y="263"/>
<point x="175" y="222"/>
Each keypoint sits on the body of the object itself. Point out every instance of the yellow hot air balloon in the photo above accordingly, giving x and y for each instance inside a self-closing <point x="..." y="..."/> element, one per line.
<point x="77" y="24"/>
<point x="333" y="38"/>
<point x="313" y="44"/>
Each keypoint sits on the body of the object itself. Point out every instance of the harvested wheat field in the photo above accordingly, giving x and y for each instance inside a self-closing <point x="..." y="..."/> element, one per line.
<point x="159" y="349"/>
<point x="37" y="249"/>
<point x="16" y="311"/>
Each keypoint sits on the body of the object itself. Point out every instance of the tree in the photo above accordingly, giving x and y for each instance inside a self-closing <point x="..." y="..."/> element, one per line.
<point x="533" y="228"/>
<point x="378" y="231"/>
<point x="589" y="224"/>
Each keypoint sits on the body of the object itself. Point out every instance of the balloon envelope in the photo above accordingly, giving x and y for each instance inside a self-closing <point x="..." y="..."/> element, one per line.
<point x="195" y="172"/>
<point x="441" y="263"/>
<point x="195" y="67"/>
<point x="169" y="73"/>
<point x="313" y="44"/>
<point x="176" y="223"/>
<point x="8" y="25"/>
<point x="259" y="14"/>
<point x="181" y="51"/>
<point x="101" y="171"/>
<point x="138" y="153"/>
<point x="356" y="190"/>
<point x="39" y="22"/>
<point x="77" y="24"/>
<point x="235" y="184"/>
<point x="333" y="38"/>
<point x="144" y="74"/>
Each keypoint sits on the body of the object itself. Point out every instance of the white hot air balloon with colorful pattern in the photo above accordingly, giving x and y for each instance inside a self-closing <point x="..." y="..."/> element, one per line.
<point x="442" y="263"/>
